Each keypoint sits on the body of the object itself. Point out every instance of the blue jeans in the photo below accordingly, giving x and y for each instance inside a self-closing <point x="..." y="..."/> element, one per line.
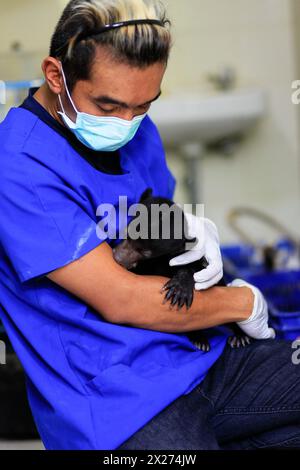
<point x="249" y="399"/>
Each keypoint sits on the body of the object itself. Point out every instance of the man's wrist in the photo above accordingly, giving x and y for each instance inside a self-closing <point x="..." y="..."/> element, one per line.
<point x="244" y="302"/>
<point x="231" y="304"/>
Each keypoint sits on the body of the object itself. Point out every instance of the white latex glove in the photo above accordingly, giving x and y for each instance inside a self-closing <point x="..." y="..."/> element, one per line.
<point x="208" y="245"/>
<point x="257" y="324"/>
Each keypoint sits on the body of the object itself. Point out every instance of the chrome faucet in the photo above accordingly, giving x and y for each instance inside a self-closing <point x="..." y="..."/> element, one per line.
<point x="223" y="80"/>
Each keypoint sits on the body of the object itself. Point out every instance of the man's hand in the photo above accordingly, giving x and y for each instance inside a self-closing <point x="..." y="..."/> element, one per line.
<point x="209" y="246"/>
<point x="256" y="325"/>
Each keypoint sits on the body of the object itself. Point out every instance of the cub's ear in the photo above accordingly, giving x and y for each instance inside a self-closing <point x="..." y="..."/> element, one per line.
<point x="146" y="194"/>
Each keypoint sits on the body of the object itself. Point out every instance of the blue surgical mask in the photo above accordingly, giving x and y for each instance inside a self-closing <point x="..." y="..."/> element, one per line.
<point x="106" y="134"/>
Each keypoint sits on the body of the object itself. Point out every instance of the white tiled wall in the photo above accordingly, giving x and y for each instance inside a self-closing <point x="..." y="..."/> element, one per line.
<point x="29" y="21"/>
<point x="256" y="38"/>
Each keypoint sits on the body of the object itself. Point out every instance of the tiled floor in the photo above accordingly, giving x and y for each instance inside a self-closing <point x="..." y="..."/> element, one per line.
<point x="21" y="445"/>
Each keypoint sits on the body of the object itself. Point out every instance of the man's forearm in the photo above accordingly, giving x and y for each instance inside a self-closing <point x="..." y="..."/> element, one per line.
<point x="215" y="306"/>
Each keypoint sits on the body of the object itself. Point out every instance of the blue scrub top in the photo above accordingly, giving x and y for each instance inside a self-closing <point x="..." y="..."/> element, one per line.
<point x="91" y="384"/>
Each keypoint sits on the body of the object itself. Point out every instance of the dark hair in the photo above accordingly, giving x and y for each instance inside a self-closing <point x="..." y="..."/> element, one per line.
<point x="138" y="45"/>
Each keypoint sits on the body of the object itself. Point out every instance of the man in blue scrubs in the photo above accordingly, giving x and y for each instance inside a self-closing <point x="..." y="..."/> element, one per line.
<point x="106" y="362"/>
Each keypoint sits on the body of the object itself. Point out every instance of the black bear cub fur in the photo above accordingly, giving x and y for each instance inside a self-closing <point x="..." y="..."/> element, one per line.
<point x="151" y="256"/>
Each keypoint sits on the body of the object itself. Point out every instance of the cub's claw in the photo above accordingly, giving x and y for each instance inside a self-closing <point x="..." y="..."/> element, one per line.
<point x="199" y="340"/>
<point x="203" y="345"/>
<point x="179" y="293"/>
<point x="239" y="341"/>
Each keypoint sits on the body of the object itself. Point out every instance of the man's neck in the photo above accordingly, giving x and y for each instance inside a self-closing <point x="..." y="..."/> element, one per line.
<point x="49" y="101"/>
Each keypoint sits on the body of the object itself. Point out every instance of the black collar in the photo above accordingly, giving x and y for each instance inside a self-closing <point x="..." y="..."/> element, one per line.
<point x="106" y="162"/>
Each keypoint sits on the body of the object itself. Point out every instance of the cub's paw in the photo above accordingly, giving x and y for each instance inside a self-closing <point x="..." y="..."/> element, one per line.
<point x="199" y="340"/>
<point x="239" y="341"/>
<point x="179" y="292"/>
<point x="203" y="345"/>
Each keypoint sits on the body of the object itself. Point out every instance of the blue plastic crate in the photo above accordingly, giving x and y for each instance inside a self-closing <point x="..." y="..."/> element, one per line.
<point x="243" y="260"/>
<point x="282" y="292"/>
<point x="281" y="288"/>
<point x="277" y="284"/>
<point x="239" y="255"/>
<point x="240" y="261"/>
<point x="283" y="317"/>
